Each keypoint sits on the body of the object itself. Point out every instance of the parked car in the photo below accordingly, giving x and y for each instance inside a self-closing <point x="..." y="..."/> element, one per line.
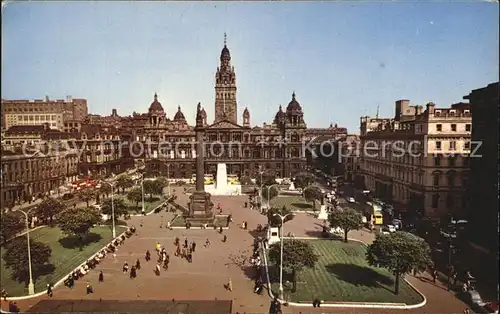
<point x="391" y="228"/>
<point x="67" y="196"/>
<point x="351" y="200"/>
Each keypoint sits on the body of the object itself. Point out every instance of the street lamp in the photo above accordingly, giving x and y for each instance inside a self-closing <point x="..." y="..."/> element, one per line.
<point x="168" y="179"/>
<point x="281" y="253"/>
<point x="261" y="186"/>
<point x="31" y="286"/>
<point x="111" y="184"/>
<point x="268" y="192"/>
<point x="142" y="192"/>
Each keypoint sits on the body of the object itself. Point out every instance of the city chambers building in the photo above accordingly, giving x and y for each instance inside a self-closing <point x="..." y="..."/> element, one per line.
<point x="165" y="142"/>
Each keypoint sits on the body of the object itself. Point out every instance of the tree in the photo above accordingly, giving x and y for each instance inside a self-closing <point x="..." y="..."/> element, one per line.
<point x="313" y="193"/>
<point x="78" y="221"/>
<point x="16" y="258"/>
<point x="11" y="224"/>
<point x="297" y="255"/>
<point x="105" y="189"/>
<point x="48" y="208"/>
<point x="152" y="187"/>
<point x="135" y="195"/>
<point x="270" y="193"/>
<point x="268" y="178"/>
<point x="245" y="180"/>
<point x="400" y="252"/>
<point x="119" y="205"/>
<point x="303" y="180"/>
<point x="275" y="221"/>
<point x="124" y="182"/>
<point x="86" y="195"/>
<point x="347" y="219"/>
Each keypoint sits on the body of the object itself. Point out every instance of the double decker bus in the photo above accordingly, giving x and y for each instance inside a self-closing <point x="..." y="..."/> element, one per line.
<point x="209" y="179"/>
<point x="83" y="184"/>
<point x="376" y="216"/>
<point x="233" y="179"/>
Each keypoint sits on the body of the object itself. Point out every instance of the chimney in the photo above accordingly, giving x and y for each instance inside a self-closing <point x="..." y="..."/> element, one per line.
<point x="47" y="98"/>
<point x="430" y="109"/>
<point x="401" y="106"/>
<point x="418" y="110"/>
<point x="114" y="113"/>
<point x="69" y="98"/>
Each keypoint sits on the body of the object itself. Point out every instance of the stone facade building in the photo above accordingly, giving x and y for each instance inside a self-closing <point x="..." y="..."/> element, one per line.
<point x="167" y="143"/>
<point x="32" y="174"/>
<point x="40" y="111"/>
<point x="418" y="160"/>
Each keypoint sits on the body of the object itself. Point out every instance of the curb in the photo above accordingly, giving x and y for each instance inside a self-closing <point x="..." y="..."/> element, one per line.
<point x="366" y="305"/>
<point x="58" y="283"/>
<point x="151" y="211"/>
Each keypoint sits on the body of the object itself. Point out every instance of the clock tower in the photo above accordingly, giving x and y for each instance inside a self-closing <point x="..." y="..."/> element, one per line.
<point x="225" y="89"/>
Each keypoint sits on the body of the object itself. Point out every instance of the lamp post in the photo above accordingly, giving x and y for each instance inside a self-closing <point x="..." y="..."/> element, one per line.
<point x="168" y="179"/>
<point x="113" y="208"/>
<point x="142" y="192"/>
<point x="281" y="253"/>
<point x="268" y="192"/>
<point x="31" y="286"/>
<point x="261" y="186"/>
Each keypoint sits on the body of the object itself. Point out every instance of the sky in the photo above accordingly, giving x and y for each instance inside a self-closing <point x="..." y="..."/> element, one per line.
<point x="342" y="59"/>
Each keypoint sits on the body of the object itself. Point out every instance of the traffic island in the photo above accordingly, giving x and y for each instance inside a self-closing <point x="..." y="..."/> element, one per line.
<point x="343" y="276"/>
<point x="180" y="221"/>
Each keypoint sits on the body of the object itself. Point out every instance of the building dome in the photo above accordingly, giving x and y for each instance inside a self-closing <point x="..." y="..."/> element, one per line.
<point x="179" y="116"/>
<point x="280" y="115"/>
<point x="293" y="105"/>
<point x="155" y="106"/>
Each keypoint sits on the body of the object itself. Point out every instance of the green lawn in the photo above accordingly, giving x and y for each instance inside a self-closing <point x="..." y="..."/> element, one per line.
<point x="64" y="257"/>
<point x="342" y="274"/>
<point x="294" y="203"/>
<point x="149" y="204"/>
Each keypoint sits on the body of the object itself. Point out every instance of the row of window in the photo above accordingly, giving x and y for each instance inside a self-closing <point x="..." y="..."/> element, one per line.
<point x="453" y="127"/>
<point x="452" y="145"/>
<point x="450" y="201"/>
<point x="37" y="118"/>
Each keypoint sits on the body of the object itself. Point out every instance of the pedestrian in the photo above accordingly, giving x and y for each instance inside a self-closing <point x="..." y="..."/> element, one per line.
<point x="190" y="257"/>
<point x="186" y="243"/>
<point x="193" y="246"/>
<point x="49" y="290"/>
<point x="454" y="277"/>
<point x="89" y="288"/>
<point x="138" y="264"/>
<point x="168" y="225"/>
<point x="148" y="256"/>
<point x="176" y="242"/>
<point x="230" y="284"/>
<point x="158" y="247"/>
<point x="157" y="270"/>
<point x="133" y="272"/>
<point x="101" y="276"/>
<point x="225" y="238"/>
<point x="125" y="268"/>
<point x="316" y="302"/>
<point x="207" y="243"/>
<point x="220" y="229"/>
<point x="434" y="276"/>
<point x="4" y="294"/>
<point x="142" y="222"/>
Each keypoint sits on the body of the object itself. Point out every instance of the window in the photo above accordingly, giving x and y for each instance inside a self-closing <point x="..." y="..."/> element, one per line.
<point x="435" y="200"/>
<point x="467" y="145"/>
<point x="451" y="161"/>
<point x="467" y="127"/>
<point x="436" y="180"/>
<point x="453" y="127"/>
<point x="453" y="145"/>
<point x="437" y="161"/>
<point x="451" y="179"/>
<point x="438" y="145"/>
<point x="449" y="201"/>
<point x="439" y="127"/>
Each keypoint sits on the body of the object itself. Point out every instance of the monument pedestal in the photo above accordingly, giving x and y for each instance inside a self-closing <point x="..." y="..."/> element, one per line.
<point x="323" y="215"/>
<point x="200" y="205"/>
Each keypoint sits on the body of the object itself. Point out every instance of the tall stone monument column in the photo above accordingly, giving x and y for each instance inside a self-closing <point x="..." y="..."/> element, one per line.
<point x="200" y="205"/>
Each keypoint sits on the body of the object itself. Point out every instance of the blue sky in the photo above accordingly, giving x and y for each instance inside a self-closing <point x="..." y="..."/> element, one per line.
<point x="341" y="58"/>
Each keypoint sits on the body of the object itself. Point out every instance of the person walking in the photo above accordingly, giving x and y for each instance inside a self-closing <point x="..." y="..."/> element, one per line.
<point x="138" y="264"/>
<point x="230" y="284"/>
<point x="157" y="270"/>
<point x="148" y="256"/>
<point x="207" y="243"/>
<point x="193" y="246"/>
<point x="89" y="288"/>
<point x="133" y="272"/>
<point x="101" y="276"/>
<point x="125" y="268"/>
<point x="224" y="239"/>
<point x="49" y="290"/>
<point x="434" y="276"/>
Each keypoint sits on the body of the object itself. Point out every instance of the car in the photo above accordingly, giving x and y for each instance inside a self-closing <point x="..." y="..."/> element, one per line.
<point x="391" y="228"/>
<point x="67" y="196"/>
<point x="351" y="200"/>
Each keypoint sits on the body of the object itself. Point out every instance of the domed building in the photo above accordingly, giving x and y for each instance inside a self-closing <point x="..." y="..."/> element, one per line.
<point x="275" y="147"/>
